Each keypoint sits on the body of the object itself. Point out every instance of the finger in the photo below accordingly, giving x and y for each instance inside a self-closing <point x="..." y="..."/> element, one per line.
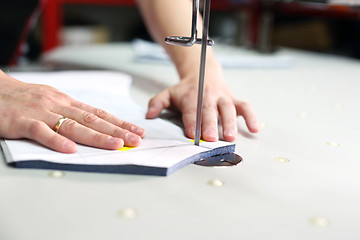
<point x="246" y="110"/>
<point x="94" y="122"/>
<point x="84" y="135"/>
<point x="209" y="126"/>
<point x="120" y="123"/>
<point x="41" y="133"/>
<point x="189" y="119"/>
<point x="158" y="103"/>
<point x="109" y="118"/>
<point x="228" y="118"/>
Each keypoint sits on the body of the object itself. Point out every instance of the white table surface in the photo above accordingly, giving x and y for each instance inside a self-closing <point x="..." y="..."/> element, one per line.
<point x="309" y="114"/>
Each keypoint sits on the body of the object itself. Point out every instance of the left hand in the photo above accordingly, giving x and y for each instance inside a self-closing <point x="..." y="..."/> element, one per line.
<point x="217" y="101"/>
<point x="32" y="111"/>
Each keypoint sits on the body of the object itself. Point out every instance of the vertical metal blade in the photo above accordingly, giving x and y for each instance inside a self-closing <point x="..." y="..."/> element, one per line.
<point x="206" y="17"/>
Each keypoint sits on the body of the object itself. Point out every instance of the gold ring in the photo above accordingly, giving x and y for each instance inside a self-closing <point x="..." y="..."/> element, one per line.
<point x="59" y="123"/>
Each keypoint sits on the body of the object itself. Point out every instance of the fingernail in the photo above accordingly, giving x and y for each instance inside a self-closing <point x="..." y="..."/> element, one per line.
<point x="211" y="133"/>
<point x="69" y="146"/>
<point x="230" y="132"/>
<point x="117" y="141"/>
<point x="151" y="109"/>
<point x="151" y="112"/>
<point x="132" y="138"/>
<point x="192" y="131"/>
<point x="255" y="125"/>
<point x="138" y="131"/>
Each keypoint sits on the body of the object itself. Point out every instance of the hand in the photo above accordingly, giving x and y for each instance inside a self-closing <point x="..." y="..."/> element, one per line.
<point x="217" y="101"/>
<point x="32" y="111"/>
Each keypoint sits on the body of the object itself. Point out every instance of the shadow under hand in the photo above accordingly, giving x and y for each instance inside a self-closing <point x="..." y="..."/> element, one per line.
<point x="172" y="116"/>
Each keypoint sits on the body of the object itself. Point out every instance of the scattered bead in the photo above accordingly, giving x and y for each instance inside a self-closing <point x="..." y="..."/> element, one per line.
<point x="56" y="174"/>
<point x="128" y="213"/>
<point x="313" y="89"/>
<point x="303" y="115"/>
<point x="338" y="106"/>
<point x="282" y="159"/>
<point x="319" y="221"/>
<point x="216" y="183"/>
<point x="333" y="144"/>
<point x="281" y="94"/>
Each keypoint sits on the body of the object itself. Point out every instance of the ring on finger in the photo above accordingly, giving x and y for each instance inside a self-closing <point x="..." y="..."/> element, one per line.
<point x="59" y="123"/>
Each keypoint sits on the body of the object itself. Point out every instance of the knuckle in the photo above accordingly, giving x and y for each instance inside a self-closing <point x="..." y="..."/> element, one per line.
<point x="225" y="101"/>
<point x="209" y="106"/>
<point x="158" y="101"/>
<point x="117" y="132"/>
<point x="211" y="92"/>
<point x="98" y="138"/>
<point x="88" y="118"/>
<point x="69" y="125"/>
<point x="42" y="100"/>
<point x="125" y="125"/>
<point x="189" y="110"/>
<point x="102" y="113"/>
<point x="208" y="122"/>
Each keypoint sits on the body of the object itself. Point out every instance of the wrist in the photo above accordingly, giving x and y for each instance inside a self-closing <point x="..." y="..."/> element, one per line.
<point x="6" y="80"/>
<point x="190" y="69"/>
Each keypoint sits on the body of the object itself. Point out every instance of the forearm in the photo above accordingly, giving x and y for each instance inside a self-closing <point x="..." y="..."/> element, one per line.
<point x="173" y="18"/>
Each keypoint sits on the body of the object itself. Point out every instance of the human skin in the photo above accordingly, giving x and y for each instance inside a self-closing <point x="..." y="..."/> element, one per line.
<point x="173" y="18"/>
<point x="32" y="111"/>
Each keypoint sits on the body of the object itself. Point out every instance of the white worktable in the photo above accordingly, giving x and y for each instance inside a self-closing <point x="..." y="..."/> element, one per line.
<point x="310" y="116"/>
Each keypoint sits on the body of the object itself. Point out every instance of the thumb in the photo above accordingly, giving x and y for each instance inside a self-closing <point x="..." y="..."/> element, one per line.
<point x="158" y="103"/>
